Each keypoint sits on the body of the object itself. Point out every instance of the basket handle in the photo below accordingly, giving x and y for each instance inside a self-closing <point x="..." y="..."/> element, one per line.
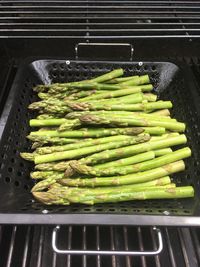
<point x="107" y="252"/>
<point x="105" y="51"/>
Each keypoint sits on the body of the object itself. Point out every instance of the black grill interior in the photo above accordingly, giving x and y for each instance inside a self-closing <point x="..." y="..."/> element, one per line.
<point x="169" y="84"/>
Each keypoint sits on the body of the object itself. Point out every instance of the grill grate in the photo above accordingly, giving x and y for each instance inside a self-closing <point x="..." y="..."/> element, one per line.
<point x="90" y="20"/>
<point x="30" y="246"/>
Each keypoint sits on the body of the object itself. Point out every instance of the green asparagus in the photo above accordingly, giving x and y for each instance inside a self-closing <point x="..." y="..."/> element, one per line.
<point x="88" y="150"/>
<point x="124" y="121"/>
<point x="124" y="170"/>
<point x="139" y="177"/>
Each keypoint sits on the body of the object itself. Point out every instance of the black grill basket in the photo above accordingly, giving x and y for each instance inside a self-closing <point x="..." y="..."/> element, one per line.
<point x="16" y="202"/>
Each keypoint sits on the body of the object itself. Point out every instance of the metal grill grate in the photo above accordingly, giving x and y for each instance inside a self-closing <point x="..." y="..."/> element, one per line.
<point x="90" y="20"/>
<point x="30" y="246"/>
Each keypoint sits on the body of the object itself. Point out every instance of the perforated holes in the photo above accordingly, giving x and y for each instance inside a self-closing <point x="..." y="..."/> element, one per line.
<point x="10" y="169"/>
<point x="153" y="68"/>
<point x="125" y="210"/>
<point x="19" y="173"/>
<point x="54" y="65"/>
<point x="17" y="183"/>
<point x="84" y="67"/>
<point x="62" y="75"/>
<point x="12" y="160"/>
<point x="69" y="67"/>
<point x="98" y="209"/>
<point x="149" y="211"/>
<point x="78" y="67"/>
<point x="62" y="66"/>
<point x="54" y="74"/>
<point x="138" y="68"/>
<point x="186" y="211"/>
<point x="7" y="180"/>
<point x="93" y="67"/>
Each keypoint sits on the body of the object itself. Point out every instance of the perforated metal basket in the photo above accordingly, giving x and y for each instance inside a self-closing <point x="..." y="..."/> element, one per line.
<point x="16" y="202"/>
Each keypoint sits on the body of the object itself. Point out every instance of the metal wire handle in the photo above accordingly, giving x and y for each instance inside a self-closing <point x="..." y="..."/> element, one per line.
<point x="106" y="252"/>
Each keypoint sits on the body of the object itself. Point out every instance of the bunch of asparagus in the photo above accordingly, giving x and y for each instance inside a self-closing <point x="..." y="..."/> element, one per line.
<point x="107" y="139"/>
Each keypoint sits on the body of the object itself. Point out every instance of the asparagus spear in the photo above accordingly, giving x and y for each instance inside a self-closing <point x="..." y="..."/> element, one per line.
<point x="70" y="124"/>
<point x="81" y="94"/>
<point x="77" y="114"/>
<point x="122" y="107"/>
<point x="116" y="93"/>
<point x="88" y="150"/>
<point x="53" y="140"/>
<point x="79" y="195"/>
<point x="48" y="198"/>
<point x="97" y="198"/>
<point x="130" y="99"/>
<point x="102" y="78"/>
<point x="154" y="193"/>
<point x="45" y="96"/>
<point x="47" y="182"/>
<point x="162" y="112"/>
<point x="144" y="79"/>
<point x="136" y="149"/>
<point x="108" y="189"/>
<point x="41" y="175"/>
<point x="56" y="109"/>
<point x="53" y="122"/>
<point x="122" y="79"/>
<point x="36" y="145"/>
<point x="44" y="103"/>
<point x="85" y="133"/>
<point x="108" y="76"/>
<point x="93" y="142"/>
<point x="140" y="177"/>
<point x="163" y="136"/>
<point x="28" y="156"/>
<point x="96" y="86"/>
<point x="131" y="121"/>
<point x="53" y="166"/>
<point x="164" y="181"/>
<point x="161" y="152"/>
<point x="150" y="97"/>
<point x="80" y="167"/>
<point x="127" y="161"/>
<point x="47" y="116"/>
<point x="129" y="151"/>
<point x="123" y="170"/>
<point x="63" y="165"/>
